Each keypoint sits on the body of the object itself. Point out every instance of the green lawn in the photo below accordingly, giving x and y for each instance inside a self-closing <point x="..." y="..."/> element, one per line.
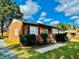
<point x="70" y="51"/>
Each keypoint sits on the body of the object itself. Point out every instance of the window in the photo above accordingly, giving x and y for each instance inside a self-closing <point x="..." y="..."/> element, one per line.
<point x="16" y="31"/>
<point x="54" y="31"/>
<point x="46" y="31"/>
<point x="60" y="31"/>
<point x="33" y="30"/>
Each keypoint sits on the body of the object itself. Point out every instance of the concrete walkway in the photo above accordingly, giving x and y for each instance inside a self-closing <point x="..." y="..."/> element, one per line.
<point x="5" y="52"/>
<point x="49" y="48"/>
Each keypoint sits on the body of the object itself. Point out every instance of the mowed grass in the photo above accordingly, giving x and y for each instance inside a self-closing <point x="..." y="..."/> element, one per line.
<point x="70" y="51"/>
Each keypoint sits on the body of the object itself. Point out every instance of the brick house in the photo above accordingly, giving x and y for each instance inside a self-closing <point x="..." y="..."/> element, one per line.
<point x="37" y="29"/>
<point x="18" y="28"/>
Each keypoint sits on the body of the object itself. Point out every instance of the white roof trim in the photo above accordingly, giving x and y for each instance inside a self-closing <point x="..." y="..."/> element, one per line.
<point x="14" y="20"/>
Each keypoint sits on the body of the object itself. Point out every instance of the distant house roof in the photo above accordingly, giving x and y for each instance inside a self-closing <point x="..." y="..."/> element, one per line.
<point x="39" y="24"/>
<point x="71" y="31"/>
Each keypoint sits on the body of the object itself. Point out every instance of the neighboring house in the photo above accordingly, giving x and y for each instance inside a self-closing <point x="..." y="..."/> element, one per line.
<point x="71" y="34"/>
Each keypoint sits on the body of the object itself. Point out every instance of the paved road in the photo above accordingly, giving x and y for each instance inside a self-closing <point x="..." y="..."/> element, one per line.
<point x="5" y="52"/>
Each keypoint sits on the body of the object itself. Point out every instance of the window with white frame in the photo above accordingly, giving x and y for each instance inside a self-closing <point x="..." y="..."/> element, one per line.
<point x="55" y="31"/>
<point x="46" y="31"/>
<point x="34" y="30"/>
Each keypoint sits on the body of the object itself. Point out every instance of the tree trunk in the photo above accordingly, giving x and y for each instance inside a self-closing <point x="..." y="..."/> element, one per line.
<point x="2" y="24"/>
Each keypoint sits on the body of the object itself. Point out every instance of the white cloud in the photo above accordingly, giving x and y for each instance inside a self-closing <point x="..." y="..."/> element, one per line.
<point x="43" y="14"/>
<point x="39" y="22"/>
<point x="29" y="9"/>
<point x="54" y="22"/>
<point x="77" y="22"/>
<point x="43" y="18"/>
<point x="69" y="7"/>
<point x="48" y="20"/>
<point x="74" y="17"/>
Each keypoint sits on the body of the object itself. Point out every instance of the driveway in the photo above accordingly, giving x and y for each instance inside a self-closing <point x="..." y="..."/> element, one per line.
<point x="5" y="52"/>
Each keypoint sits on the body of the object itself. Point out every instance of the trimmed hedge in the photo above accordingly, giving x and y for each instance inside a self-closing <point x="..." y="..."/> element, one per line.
<point x="28" y="39"/>
<point x="61" y="37"/>
<point x="31" y="39"/>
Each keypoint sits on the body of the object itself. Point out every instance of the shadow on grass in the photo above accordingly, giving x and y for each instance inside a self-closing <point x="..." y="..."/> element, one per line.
<point x="70" y="51"/>
<point x="22" y="52"/>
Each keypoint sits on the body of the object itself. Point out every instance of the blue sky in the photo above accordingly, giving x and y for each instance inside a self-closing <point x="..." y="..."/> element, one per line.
<point x="50" y="10"/>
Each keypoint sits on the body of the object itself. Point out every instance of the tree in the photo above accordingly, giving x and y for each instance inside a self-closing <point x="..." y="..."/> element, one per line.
<point x="66" y="26"/>
<point x="8" y="11"/>
<point x="61" y="25"/>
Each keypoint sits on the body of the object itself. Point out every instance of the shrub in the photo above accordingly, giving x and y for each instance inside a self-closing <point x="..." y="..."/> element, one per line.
<point x="32" y="39"/>
<point x="61" y="37"/>
<point x="24" y="40"/>
<point x="44" y="36"/>
<point x="28" y="39"/>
